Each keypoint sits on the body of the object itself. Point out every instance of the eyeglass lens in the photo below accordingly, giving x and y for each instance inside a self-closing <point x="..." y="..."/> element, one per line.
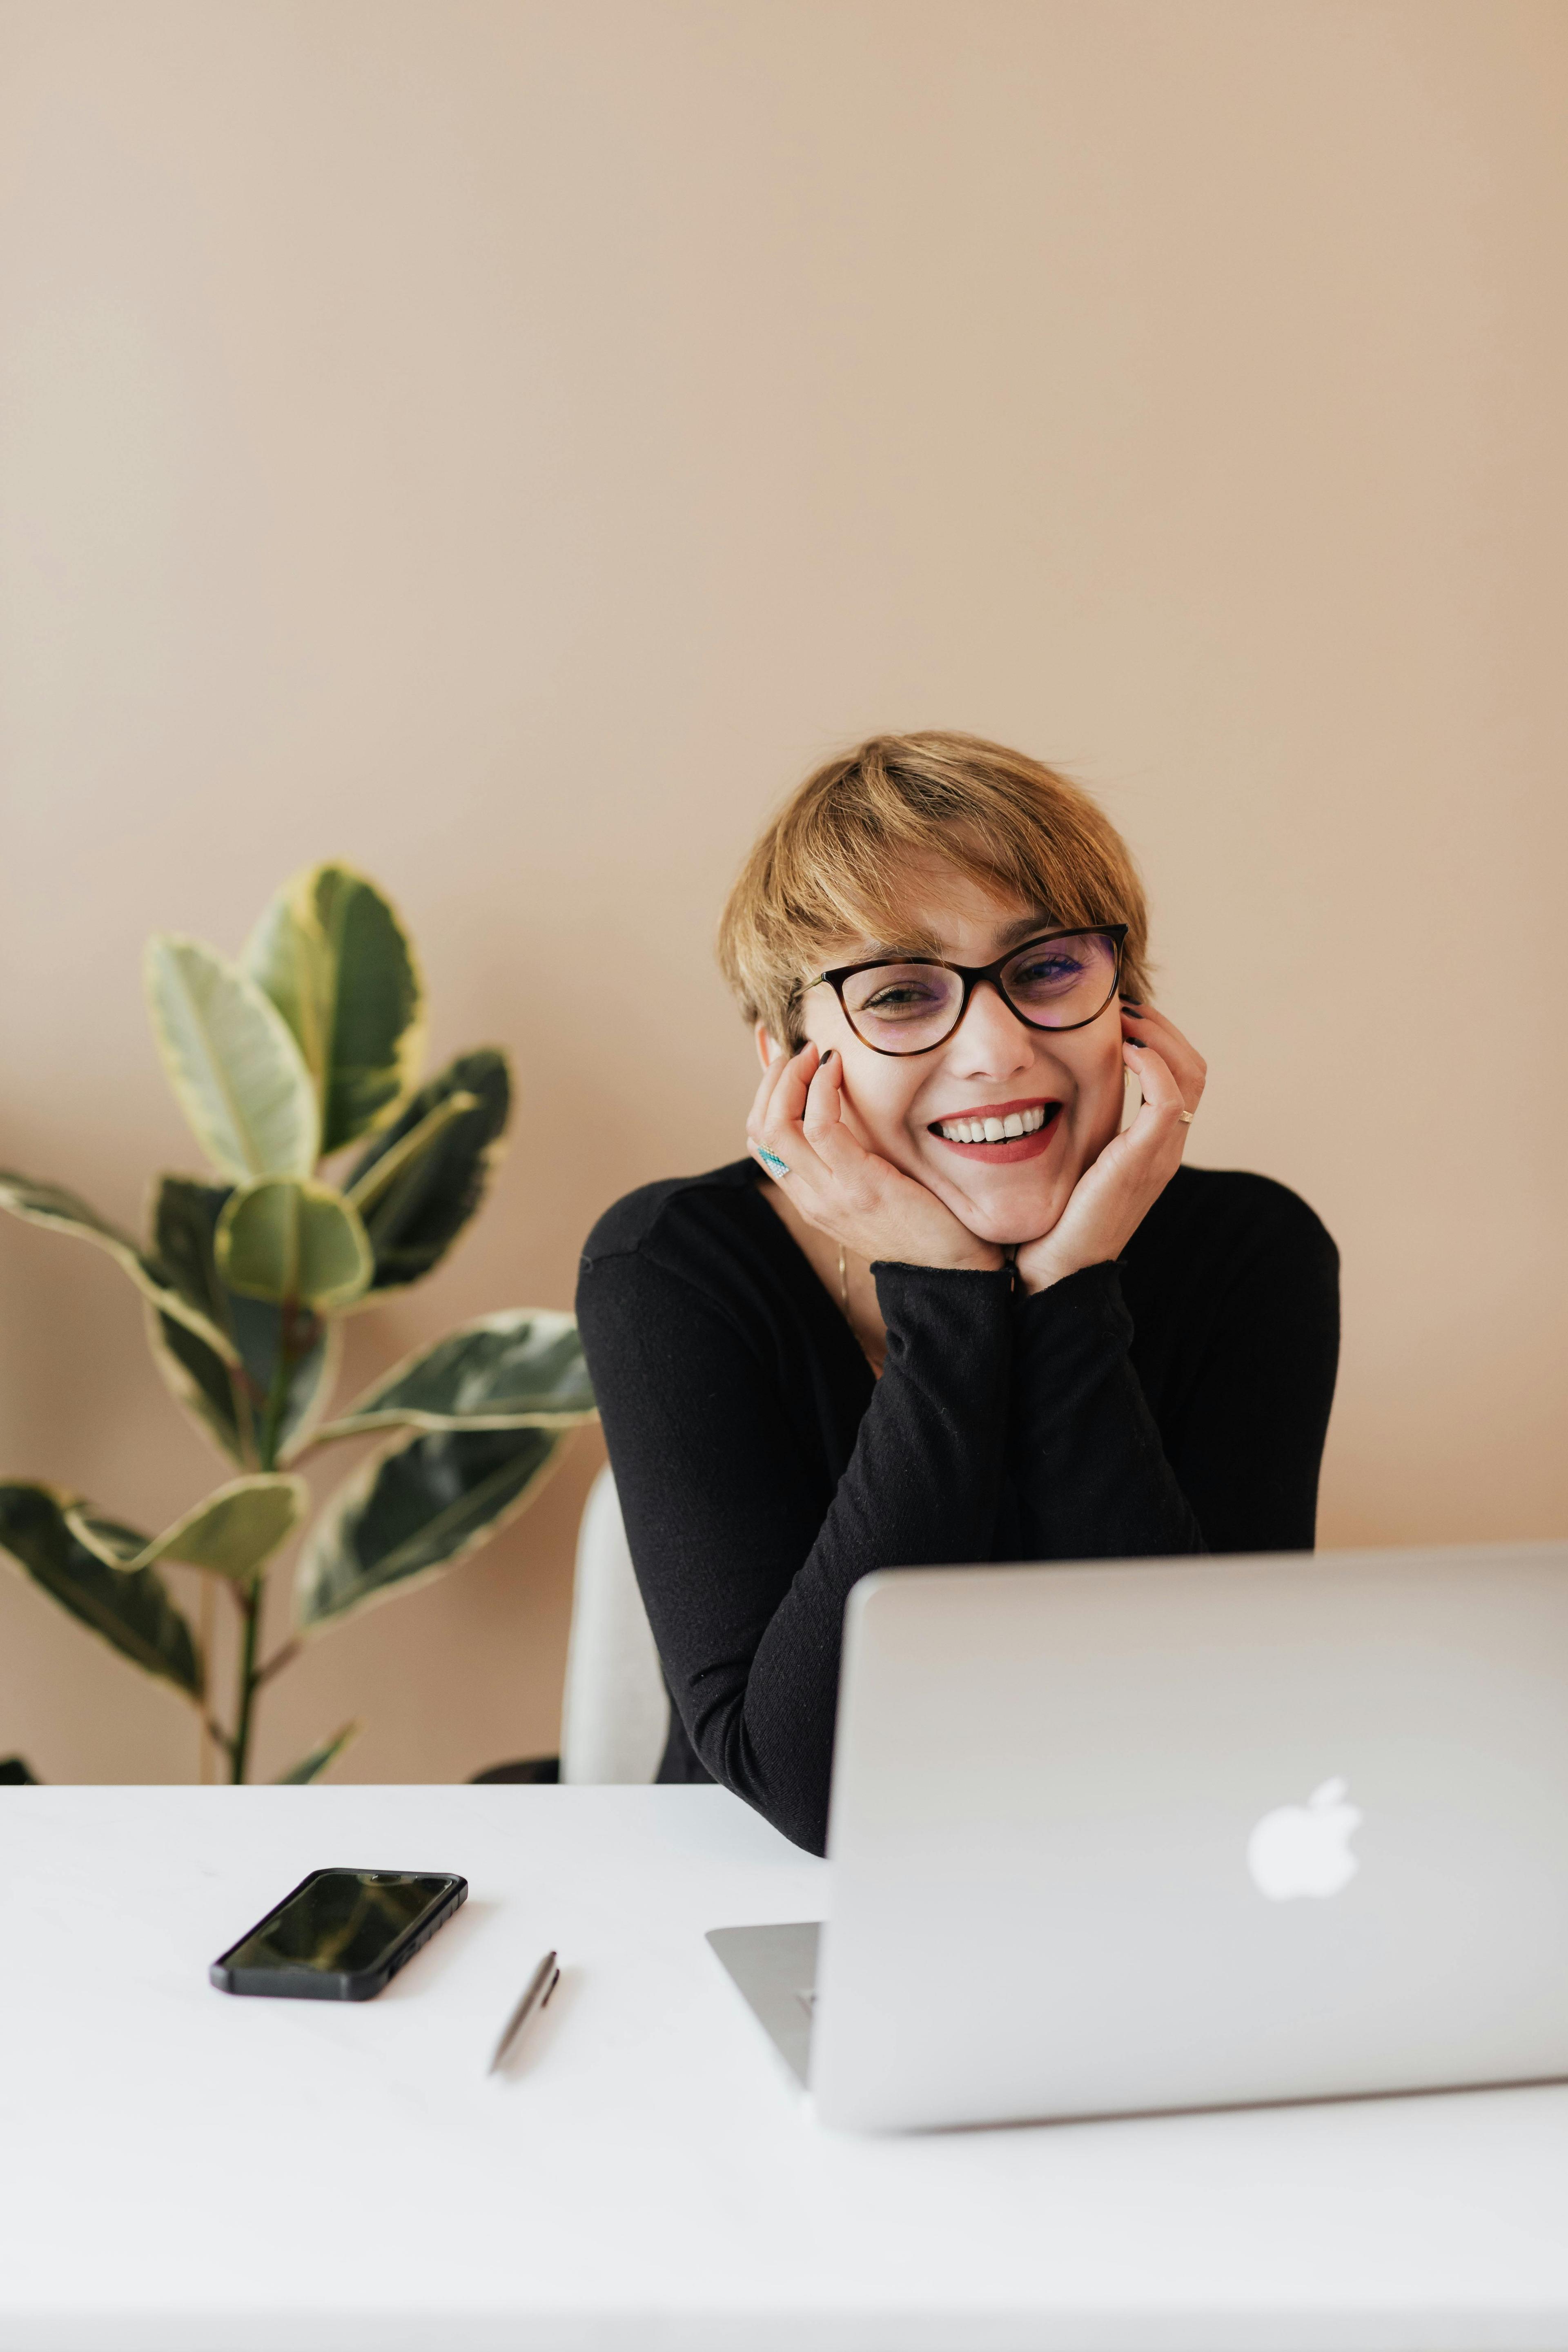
<point x="905" y="1008"/>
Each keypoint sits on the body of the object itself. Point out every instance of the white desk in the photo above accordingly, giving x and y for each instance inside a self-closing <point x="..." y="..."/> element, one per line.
<point x="181" y="2170"/>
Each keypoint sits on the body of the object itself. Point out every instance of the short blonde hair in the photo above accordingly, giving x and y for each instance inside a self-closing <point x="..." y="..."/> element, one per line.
<point x="833" y="864"/>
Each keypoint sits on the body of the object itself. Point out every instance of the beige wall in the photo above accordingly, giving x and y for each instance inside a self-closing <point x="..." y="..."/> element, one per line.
<point x="503" y="445"/>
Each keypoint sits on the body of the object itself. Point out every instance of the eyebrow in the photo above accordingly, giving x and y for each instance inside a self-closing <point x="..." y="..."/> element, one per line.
<point x="1027" y="925"/>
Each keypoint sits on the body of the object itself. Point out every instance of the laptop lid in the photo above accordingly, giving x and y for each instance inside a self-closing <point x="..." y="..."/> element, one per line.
<point x="1129" y="1836"/>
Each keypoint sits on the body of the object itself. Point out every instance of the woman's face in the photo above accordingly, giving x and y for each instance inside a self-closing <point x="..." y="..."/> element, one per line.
<point x="992" y="1064"/>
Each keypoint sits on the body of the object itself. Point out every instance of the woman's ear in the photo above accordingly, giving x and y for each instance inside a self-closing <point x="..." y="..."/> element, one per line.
<point x="768" y="1046"/>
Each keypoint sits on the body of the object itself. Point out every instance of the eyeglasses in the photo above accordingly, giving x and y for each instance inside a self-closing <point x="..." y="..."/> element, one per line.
<point x="910" y="1004"/>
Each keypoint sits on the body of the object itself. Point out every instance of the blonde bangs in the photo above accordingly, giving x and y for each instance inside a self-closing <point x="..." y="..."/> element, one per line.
<point x="835" y="864"/>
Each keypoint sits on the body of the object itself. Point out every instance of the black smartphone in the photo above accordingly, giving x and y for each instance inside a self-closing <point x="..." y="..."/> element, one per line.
<point x="339" y="1935"/>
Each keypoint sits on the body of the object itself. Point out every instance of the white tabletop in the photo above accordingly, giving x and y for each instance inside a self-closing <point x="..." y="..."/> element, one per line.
<point x="180" y="2170"/>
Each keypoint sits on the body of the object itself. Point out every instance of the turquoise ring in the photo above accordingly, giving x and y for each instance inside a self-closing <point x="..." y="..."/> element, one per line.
<point x="772" y="1163"/>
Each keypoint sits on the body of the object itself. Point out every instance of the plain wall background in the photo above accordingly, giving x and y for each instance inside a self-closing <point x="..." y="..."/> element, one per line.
<point x="505" y="444"/>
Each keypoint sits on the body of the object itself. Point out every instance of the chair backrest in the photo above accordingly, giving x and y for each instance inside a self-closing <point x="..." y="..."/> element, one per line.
<point x="615" y="1714"/>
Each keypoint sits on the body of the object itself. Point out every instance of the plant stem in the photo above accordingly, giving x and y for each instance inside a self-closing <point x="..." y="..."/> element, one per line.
<point x="251" y="1600"/>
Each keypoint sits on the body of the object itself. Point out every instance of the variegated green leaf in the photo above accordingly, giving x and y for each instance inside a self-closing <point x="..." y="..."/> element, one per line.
<point x="333" y="957"/>
<point x="411" y="1144"/>
<point x="414" y="1219"/>
<point x="311" y="1767"/>
<point x="233" y="1532"/>
<point x="522" y="1368"/>
<point x="133" y="1613"/>
<point x="199" y="1380"/>
<point x="230" y="1409"/>
<point x="65" y="1212"/>
<point x="413" y="1510"/>
<point x="281" y="1241"/>
<point x="233" y="1062"/>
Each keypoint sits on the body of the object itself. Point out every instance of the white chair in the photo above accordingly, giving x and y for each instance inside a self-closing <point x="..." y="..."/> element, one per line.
<point x="614" y="1716"/>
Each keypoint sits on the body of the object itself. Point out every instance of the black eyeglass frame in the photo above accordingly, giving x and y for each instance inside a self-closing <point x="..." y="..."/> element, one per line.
<point x="972" y="975"/>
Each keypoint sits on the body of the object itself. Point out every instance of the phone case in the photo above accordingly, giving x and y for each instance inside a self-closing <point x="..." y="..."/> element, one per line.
<point x="332" y="1984"/>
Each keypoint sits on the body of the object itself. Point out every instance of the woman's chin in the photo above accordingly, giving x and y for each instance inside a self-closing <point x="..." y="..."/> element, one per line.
<point x="1007" y="1214"/>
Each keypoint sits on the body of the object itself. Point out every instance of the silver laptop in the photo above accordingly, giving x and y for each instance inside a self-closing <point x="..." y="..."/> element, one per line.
<point x="1177" y="1833"/>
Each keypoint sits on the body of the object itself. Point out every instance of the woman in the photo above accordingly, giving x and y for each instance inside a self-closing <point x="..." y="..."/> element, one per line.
<point x="947" y="1311"/>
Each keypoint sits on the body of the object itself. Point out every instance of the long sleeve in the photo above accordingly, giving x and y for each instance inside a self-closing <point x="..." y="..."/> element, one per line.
<point x="1244" y="1358"/>
<point x="745" y="1560"/>
<point x="1092" y="1479"/>
<point x="1256" y="1354"/>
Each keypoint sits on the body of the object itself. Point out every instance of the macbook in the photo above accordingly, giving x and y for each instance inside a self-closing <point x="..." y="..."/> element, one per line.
<point x="1185" y="1832"/>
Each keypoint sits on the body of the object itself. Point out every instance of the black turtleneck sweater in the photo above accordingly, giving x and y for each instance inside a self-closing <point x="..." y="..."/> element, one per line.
<point x="1174" y="1402"/>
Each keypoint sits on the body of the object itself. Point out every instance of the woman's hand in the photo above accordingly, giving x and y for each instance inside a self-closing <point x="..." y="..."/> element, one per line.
<point x="1113" y="1196"/>
<point x="866" y="1202"/>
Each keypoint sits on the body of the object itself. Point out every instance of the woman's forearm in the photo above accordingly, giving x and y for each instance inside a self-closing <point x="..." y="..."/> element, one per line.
<point x="921" y="1488"/>
<point x="744" y="1555"/>
<point x="1086" y="1456"/>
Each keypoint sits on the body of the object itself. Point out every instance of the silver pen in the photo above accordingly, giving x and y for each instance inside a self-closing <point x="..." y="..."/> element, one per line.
<point x="537" y="1992"/>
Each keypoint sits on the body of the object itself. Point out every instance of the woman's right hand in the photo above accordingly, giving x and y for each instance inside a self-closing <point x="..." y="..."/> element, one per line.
<point x="838" y="1186"/>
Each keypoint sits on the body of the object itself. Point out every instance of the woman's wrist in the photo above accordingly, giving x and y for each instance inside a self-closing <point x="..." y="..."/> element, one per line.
<point x="1042" y="1269"/>
<point x="984" y="1257"/>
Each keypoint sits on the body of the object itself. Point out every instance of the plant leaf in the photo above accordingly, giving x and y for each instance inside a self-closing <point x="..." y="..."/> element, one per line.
<point x="232" y="1061"/>
<point x="414" y="1222"/>
<point x="133" y="1613"/>
<point x="213" y="1390"/>
<point x="379" y="1179"/>
<point x="184" y="1223"/>
<point x="198" y="1378"/>
<point x="50" y="1204"/>
<point x="312" y="1376"/>
<point x="333" y="957"/>
<point x="280" y="1240"/>
<point x="185" y="1214"/>
<point x="233" y="1532"/>
<point x="311" y="1767"/>
<point x="14" y="1774"/>
<point x="522" y="1368"/>
<point x="412" y="1510"/>
<point x="287" y="957"/>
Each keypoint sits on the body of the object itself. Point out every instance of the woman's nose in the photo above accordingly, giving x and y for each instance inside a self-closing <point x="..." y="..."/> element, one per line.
<point x="990" y="1039"/>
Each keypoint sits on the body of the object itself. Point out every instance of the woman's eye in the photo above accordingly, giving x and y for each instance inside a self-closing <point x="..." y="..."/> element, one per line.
<point x="1047" y="972"/>
<point x="903" y="998"/>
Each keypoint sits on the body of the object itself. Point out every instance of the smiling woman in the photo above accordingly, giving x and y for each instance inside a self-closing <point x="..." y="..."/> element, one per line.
<point x="967" y="1314"/>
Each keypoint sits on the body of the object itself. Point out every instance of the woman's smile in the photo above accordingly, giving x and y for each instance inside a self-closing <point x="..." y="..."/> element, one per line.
<point x="999" y="1133"/>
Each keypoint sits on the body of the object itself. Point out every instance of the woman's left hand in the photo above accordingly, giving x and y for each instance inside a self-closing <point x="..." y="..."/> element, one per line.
<point x="1116" y="1191"/>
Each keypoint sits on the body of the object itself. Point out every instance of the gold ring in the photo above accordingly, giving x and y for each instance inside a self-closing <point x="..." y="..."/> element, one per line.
<point x="1183" y="1119"/>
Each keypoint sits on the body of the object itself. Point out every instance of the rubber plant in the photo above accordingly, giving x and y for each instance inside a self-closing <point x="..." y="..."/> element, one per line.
<point x="309" y="1045"/>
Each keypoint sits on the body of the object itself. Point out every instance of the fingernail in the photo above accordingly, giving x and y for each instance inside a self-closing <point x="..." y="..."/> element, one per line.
<point x="828" y="1057"/>
<point x="1131" y="1004"/>
<point x="1136" y="1041"/>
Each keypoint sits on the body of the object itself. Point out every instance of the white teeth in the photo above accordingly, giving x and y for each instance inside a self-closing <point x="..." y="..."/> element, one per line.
<point x="992" y="1130"/>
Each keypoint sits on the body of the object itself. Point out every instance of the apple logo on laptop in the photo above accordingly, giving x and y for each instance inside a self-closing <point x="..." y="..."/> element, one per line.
<point x="1305" y="1849"/>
